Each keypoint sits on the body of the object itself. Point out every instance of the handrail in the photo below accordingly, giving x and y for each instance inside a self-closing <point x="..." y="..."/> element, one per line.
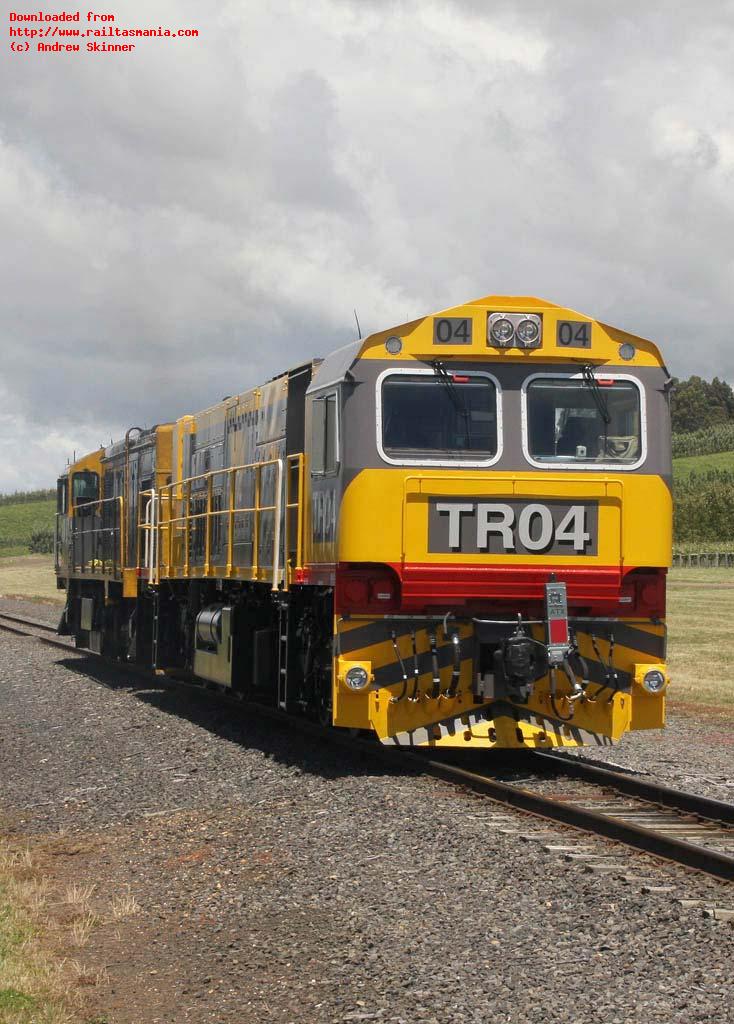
<point x="173" y="556"/>
<point x="148" y="529"/>
<point x="278" y="511"/>
<point x="79" y="529"/>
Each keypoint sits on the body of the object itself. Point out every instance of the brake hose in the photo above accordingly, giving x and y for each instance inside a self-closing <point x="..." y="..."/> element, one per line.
<point x="453" y="689"/>
<point x="403" y="692"/>
<point x="416" y="670"/>
<point x="436" y="691"/>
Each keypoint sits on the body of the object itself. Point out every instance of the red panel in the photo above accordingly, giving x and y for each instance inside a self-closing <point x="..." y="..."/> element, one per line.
<point x="558" y="631"/>
<point x="440" y="584"/>
<point x="432" y="586"/>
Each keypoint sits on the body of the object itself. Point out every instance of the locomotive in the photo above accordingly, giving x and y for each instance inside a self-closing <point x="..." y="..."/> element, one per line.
<point x="453" y="533"/>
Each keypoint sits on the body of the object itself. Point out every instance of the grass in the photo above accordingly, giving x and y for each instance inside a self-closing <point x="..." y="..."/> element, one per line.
<point x="30" y="577"/>
<point x="704" y="547"/>
<point x="700" y="614"/>
<point x="40" y="923"/>
<point x="34" y="988"/>
<point x="19" y="520"/>
<point x="687" y="464"/>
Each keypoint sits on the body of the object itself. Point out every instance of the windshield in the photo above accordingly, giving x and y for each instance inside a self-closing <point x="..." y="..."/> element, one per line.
<point x="454" y="417"/>
<point x="567" y="421"/>
<point x="85" y="487"/>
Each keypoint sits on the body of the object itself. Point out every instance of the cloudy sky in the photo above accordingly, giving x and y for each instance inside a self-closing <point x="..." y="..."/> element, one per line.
<point x="183" y="221"/>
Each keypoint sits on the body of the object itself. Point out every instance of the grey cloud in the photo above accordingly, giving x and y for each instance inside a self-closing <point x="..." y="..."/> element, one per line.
<point x="302" y="136"/>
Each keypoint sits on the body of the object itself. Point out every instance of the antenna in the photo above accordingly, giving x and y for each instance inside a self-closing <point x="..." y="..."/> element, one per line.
<point x="359" y="329"/>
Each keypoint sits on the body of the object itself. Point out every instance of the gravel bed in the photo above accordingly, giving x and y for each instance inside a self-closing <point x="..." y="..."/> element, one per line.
<point x="42" y="611"/>
<point x="691" y="753"/>
<point x="279" y="880"/>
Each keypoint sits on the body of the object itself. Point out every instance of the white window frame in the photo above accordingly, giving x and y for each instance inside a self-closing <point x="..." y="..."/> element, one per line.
<point x="322" y="396"/>
<point x="406" y="371"/>
<point x="594" y="467"/>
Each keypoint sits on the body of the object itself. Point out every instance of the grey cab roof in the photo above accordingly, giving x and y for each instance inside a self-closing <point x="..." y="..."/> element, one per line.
<point x="335" y="367"/>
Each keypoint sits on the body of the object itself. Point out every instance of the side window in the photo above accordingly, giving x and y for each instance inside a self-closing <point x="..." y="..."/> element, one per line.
<point x="85" y="487"/>
<point x="62" y="489"/>
<point x="325" y="436"/>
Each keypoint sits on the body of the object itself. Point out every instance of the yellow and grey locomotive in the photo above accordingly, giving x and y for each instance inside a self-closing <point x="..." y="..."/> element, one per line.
<point x="452" y="533"/>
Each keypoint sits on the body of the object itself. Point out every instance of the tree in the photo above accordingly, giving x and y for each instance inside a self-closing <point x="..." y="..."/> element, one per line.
<point x="696" y="404"/>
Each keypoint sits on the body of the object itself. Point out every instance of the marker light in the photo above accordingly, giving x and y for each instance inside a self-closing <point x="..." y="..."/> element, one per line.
<point x="356" y="678"/>
<point x="394" y="345"/>
<point x="528" y="334"/>
<point x="654" y="681"/>
<point x="501" y="332"/>
<point x="627" y="351"/>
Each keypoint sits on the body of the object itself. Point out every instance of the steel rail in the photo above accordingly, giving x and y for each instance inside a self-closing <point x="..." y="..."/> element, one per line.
<point x="652" y="792"/>
<point x="28" y="622"/>
<point x="647" y="840"/>
<point x="659" y="844"/>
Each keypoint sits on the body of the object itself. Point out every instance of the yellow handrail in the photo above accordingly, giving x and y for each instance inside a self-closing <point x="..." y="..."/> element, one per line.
<point x="176" y="561"/>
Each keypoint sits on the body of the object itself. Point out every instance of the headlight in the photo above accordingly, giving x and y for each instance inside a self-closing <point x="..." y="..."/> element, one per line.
<point x="654" y="681"/>
<point x="394" y="345"/>
<point x="528" y="334"/>
<point x="502" y="332"/>
<point x="356" y="678"/>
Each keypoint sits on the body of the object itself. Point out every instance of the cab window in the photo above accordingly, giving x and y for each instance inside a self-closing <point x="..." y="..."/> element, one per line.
<point x="439" y="416"/>
<point x="577" y="421"/>
<point x="325" y="436"/>
<point x="85" y="487"/>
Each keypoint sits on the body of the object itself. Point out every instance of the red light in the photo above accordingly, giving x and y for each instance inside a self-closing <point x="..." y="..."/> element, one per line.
<point x="459" y="379"/>
<point x="356" y="591"/>
<point x="643" y="593"/>
<point x="367" y="588"/>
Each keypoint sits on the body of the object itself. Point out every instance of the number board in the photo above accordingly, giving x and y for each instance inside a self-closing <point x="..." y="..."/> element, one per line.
<point x="476" y="526"/>
<point x="573" y="334"/>
<point x="451" y="330"/>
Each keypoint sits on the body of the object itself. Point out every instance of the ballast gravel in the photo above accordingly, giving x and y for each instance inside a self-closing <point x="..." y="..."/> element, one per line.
<point x="280" y="879"/>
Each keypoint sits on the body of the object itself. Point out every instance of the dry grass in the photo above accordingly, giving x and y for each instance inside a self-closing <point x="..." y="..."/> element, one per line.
<point x="124" y="906"/>
<point x="700" y="617"/>
<point x="30" y="577"/>
<point x="82" y="929"/>
<point x="79" y="896"/>
<point x="35" y="986"/>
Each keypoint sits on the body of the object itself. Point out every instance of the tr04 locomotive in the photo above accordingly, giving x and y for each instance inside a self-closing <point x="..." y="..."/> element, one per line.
<point x="453" y="533"/>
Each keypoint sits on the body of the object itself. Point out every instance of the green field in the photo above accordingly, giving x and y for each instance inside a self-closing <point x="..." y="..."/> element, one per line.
<point x="700" y="613"/>
<point x="683" y="467"/>
<point x="19" y="520"/>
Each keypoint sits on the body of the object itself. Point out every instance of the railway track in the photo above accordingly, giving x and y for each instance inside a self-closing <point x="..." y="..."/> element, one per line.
<point x="692" y="831"/>
<point x="45" y="633"/>
<point x="679" y="827"/>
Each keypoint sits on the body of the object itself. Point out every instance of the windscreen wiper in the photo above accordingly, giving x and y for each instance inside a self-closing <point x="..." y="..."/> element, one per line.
<point x="600" y="399"/>
<point x="458" y="402"/>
